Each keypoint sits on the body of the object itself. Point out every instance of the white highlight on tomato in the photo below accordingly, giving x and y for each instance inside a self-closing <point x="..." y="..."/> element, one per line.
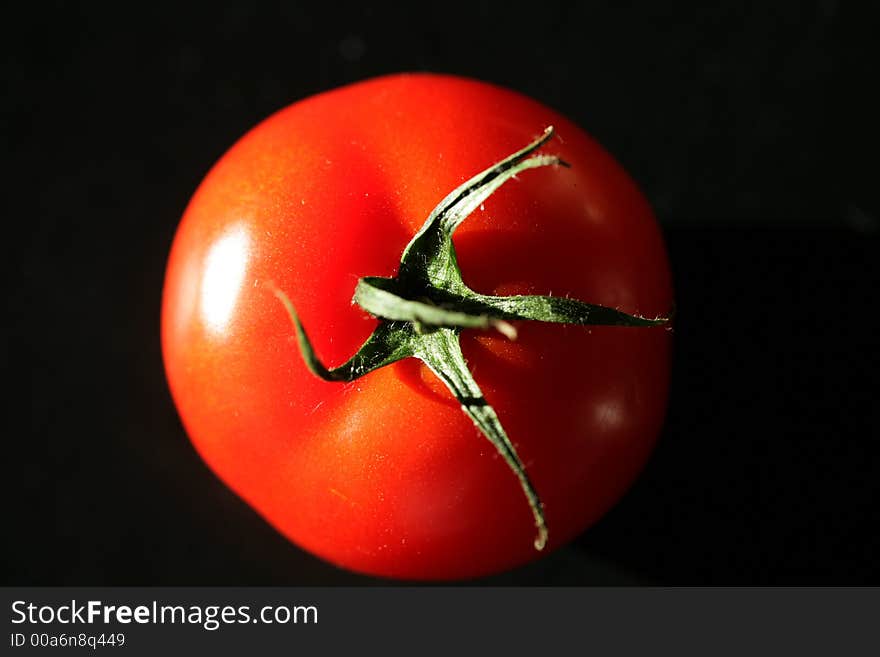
<point x="225" y="267"/>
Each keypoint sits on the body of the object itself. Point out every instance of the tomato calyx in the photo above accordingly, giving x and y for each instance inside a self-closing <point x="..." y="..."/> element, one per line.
<point x="424" y="309"/>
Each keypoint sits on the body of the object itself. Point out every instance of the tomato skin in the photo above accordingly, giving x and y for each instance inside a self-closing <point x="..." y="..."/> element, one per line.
<point x="386" y="475"/>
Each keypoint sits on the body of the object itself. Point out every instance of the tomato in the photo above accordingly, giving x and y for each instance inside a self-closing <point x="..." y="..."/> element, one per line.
<point x="385" y="475"/>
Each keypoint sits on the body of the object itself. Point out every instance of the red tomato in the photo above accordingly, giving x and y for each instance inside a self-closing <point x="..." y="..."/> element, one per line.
<point x="386" y="475"/>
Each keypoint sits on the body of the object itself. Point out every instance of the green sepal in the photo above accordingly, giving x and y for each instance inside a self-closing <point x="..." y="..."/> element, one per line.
<point x="441" y="352"/>
<point x="388" y="343"/>
<point x="558" y="310"/>
<point x="429" y="261"/>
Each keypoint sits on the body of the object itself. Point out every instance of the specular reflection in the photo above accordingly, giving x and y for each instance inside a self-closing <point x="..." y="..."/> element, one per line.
<point x="225" y="267"/>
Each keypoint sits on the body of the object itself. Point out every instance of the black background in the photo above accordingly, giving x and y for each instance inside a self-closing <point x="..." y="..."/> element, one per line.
<point x="749" y="126"/>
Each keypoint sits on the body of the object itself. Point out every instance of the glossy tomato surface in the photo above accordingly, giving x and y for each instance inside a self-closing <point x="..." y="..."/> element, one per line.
<point x="386" y="475"/>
